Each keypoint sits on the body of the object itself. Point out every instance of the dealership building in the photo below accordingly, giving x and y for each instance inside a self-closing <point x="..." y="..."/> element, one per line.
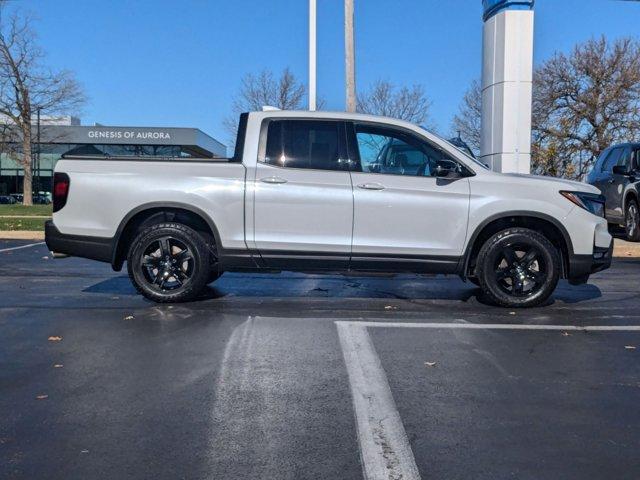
<point x="66" y="136"/>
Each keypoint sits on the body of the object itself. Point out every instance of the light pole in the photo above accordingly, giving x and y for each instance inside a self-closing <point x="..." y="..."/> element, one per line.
<point x="312" y="55"/>
<point x="38" y="158"/>
<point x="349" y="56"/>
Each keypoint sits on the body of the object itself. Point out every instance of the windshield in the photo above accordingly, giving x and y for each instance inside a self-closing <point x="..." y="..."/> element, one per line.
<point x="474" y="160"/>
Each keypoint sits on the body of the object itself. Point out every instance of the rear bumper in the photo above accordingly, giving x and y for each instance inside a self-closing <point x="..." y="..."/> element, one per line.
<point x="94" y="248"/>
<point x="581" y="266"/>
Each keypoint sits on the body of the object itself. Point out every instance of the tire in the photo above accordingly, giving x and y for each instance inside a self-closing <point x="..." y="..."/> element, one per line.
<point x="518" y="268"/>
<point x="632" y="221"/>
<point x="154" y="266"/>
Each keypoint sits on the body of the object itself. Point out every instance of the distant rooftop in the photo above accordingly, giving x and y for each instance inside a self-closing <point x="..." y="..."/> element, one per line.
<point x="69" y="130"/>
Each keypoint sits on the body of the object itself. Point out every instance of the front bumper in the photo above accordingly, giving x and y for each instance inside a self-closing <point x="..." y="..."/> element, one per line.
<point x="94" y="248"/>
<point x="581" y="266"/>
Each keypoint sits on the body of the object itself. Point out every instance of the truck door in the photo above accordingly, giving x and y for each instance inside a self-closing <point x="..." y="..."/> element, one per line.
<point x="596" y="176"/>
<point x="612" y="185"/>
<point x="303" y="199"/>
<point x="614" y="190"/>
<point x="404" y="216"/>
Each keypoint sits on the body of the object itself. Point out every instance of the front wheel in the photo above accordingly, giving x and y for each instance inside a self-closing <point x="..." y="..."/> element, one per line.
<point x="632" y="221"/>
<point x="518" y="267"/>
<point x="169" y="262"/>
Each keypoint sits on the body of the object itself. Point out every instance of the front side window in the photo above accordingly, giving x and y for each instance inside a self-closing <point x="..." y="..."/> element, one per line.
<point x="393" y="152"/>
<point x="612" y="160"/>
<point x="625" y="158"/>
<point x="598" y="166"/>
<point x="304" y="144"/>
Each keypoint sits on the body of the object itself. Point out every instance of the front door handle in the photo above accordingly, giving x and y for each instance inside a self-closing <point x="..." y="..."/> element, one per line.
<point x="371" y="186"/>
<point x="273" y="180"/>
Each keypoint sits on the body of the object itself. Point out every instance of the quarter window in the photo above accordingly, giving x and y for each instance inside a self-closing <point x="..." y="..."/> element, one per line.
<point x="393" y="152"/>
<point x="304" y="144"/>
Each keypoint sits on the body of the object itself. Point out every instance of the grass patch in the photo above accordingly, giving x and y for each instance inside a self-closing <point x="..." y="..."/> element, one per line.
<point x="21" y="224"/>
<point x="23" y="211"/>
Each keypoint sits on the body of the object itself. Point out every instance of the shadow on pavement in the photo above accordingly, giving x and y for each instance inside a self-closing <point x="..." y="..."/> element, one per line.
<point x="405" y="287"/>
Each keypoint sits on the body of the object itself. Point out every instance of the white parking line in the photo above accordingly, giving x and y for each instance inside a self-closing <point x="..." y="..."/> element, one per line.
<point x="384" y="446"/>
<point x="21" y="246"/>
<point x="499" y="326"/>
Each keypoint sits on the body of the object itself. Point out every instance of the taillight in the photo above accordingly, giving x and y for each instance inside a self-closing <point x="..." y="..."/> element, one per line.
<point x="61" y="184"/>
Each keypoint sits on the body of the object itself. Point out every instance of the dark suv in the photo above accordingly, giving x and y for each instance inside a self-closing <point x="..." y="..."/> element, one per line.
<point x="617" y="174"/>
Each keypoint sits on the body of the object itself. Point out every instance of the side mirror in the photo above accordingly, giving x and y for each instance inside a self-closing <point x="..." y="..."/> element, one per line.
<point x="620" y="170"/>
<point x="375" y="168"/>
<point x="447" y="172"/>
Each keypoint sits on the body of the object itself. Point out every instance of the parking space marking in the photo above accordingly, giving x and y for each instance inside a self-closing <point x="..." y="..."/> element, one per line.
<point x="384" y="447"/>
<point x="385" y="450"/>
<point x="499" y="326"/>
<point x="21" y="246"/>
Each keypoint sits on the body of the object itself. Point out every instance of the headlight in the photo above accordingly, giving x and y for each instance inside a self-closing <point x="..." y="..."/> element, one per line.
<point x="589" y="201"/>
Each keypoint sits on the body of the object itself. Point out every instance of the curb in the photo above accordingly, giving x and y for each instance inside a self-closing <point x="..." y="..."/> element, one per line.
<point x="21" y="235"/>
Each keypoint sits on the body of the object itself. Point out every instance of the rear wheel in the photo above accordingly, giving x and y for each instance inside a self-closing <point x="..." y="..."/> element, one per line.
<point x="518" y="267"/>
<point x="632" y="221"/>
<point x="169" y="262"/>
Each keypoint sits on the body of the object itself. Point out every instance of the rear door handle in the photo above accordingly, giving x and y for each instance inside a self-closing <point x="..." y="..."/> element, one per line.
<point x="273" y="180"/>
<point x="371" y="186"/>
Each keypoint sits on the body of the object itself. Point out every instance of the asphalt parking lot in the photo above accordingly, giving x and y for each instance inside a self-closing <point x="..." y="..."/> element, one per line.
<point x="295" y="376"/>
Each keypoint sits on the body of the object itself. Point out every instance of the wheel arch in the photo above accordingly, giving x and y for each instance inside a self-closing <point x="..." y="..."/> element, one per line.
<point x="545" y="224"/>
<point x="160" y="211"/>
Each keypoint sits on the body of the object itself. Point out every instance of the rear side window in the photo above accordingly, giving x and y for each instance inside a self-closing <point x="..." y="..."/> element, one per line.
<point x="305" y="144"/>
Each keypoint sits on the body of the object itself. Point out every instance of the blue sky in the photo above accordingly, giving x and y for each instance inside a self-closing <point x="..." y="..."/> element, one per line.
<point x="178" y="63"/>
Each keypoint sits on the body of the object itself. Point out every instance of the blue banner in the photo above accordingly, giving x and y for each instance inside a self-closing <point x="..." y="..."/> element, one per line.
<point x="491" y="7"/>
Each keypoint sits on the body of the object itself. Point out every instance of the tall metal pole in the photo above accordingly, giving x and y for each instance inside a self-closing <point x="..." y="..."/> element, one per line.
<point x="312" y="55"/>
<point x="349" y="56"/>
<point x="39" y="150"/>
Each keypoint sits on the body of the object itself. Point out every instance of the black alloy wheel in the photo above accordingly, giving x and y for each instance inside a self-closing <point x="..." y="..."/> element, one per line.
<point x="518" y="267"/>
<point x="520" y="270"/>
<point x="632" y="221"/>
<point x="169" y="262"/>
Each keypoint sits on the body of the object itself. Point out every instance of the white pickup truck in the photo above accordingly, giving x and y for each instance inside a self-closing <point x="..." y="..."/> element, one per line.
<point x="328" y="192"/>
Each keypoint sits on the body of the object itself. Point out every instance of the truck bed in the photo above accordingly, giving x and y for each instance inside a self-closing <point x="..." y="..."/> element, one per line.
<point x="104" y="192"/>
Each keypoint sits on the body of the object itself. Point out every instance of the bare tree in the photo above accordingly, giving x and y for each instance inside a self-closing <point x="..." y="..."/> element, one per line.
<point x="582" y="103"/>
<point x="467" y="121"/>
<point x="384" y="98"/>
<point x="28" y="86"/>
<point x="285" y="93"/>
